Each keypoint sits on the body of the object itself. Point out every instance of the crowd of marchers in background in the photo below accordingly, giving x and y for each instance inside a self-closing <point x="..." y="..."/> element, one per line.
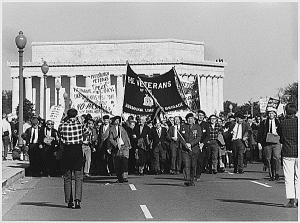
<point x="191" y="145"/>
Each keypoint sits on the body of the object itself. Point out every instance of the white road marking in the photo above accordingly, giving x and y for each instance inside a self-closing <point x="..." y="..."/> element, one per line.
<point x="265" y="185"/>
<point x="132" y="187"/>
<point x="146" y="211"/>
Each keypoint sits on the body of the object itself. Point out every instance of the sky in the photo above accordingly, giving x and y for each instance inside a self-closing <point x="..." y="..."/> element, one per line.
<point x="257" y="40"/>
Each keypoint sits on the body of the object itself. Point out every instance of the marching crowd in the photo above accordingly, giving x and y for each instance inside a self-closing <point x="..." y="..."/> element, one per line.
<point x="83" y="146"/>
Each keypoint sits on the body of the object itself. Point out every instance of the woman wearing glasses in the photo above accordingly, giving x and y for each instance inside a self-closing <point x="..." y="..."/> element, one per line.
<point x="50" y="145"/>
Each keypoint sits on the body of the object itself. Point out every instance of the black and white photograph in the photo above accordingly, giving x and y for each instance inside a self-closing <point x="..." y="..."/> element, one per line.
<point x="164" y="111"/>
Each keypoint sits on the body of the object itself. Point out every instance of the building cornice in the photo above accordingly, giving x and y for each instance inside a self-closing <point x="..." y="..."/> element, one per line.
<point x="96" y="63"/>
<point x="118" y="42"/>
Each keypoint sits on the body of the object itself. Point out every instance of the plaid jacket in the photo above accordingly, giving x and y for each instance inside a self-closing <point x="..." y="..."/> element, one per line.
<point x="71" y="131"/>
<point x="288" y="131"/>
<point x="213" y="133"/>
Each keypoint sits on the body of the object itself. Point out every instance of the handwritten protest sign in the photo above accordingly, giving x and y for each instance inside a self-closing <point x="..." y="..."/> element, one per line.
<point x="55" y="114"/>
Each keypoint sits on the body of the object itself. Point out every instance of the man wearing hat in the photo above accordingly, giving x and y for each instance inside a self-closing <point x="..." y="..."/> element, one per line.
<point x="34" y="143"/>
<point x="190" y="136"/>
<point x="121" y="145"/>
<point x="105" y="158"/>
<point x="239" y="136"/>
<point x="268" y="139"/>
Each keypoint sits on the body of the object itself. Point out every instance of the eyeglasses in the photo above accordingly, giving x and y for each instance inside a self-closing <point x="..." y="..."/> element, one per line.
<point x="50" y="124"/>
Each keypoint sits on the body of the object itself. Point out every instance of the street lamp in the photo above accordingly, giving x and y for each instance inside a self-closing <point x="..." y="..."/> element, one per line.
<point x="251" y="104"/>
<point x="45" y="69"/>
<point x="21" y="43"/>
<point x="66" y="104"/>
<point x="57" y="86"/>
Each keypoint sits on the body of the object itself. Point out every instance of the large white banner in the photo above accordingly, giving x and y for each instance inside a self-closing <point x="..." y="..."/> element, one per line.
<point x="100" y="80"/>
<point x="88" y="101"/>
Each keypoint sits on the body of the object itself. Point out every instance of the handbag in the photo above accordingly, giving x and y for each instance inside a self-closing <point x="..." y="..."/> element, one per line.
<point x="48" y="140"/>
<point x="272" y="138"/>
<point x="220" y="139"/>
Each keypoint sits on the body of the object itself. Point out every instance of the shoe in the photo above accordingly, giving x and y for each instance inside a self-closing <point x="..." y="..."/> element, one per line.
<point x="192" y="184"/>
<point x="271" y="179"/>
<point x="77" y="204"/>
<point x="119" y="181"/>
<point x="125" y="180"/>
<point x="290" y="205"/>
<point x="87" y="175"/>
<point x="222" y="170"/>
<point x="235" y="171"/>
<point x="187" y="184"/>
<point x="241" y="171"/>
<point x="276" y="176"/>
<point x="177" y="172"/>
<point x="197" y="178"/>
<point x="70" y="205"/>
<point x="215" y="171"/>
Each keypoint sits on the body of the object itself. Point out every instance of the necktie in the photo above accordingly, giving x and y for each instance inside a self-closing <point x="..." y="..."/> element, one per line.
<point x="33" y="136"/>
<point x="158" y="131"/>
<point x="237" y="131"/>
<point x="271" y="126"/>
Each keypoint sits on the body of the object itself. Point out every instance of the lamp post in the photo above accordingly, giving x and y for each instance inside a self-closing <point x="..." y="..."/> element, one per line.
<point x="251" y="104"/>
<point x="66" y="103"/>
<point x="45" y="69"/>
<point x="21" y="43"/>
<point x="57" y="86"/>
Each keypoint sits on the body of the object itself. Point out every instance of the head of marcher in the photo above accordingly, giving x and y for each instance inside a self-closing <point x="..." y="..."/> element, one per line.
<point x="49" y="124"/>
<point x="34" y="122"/>
<point x="201" y="115"/>
<point x="4" y="116"/>
<point x="239" y="117"/>
<point x="72" y="113"/>
<point x="157" y="123"/>
<point x="177" y="120"/>
<point x="190" y="119"/>
<point x="213" y="119"/>
<point x="291" y="109"/>
<point x="141" y="120"/>
<point x="117" y="120"/>
<point x="271" y="112"/>
<point x="105" y="119"/>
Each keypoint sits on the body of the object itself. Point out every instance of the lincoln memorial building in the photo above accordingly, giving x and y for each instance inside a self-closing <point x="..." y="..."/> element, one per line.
<point x="73" y="63"/>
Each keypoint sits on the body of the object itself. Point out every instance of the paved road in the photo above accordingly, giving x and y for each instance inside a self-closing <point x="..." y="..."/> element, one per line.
<point x="221" y="197"/>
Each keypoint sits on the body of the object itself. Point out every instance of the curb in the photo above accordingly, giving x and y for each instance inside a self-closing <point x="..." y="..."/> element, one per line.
<point x="15" y="177"/>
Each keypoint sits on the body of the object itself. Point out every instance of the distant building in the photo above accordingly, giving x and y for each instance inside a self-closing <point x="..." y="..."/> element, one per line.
<point x="73" y="63"/>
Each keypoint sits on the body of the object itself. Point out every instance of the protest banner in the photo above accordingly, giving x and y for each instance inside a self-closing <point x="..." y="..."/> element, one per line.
<point x="137" y="99"/>
<point x="263" y="102"/>
<point x="55" y="114"/>
<point x="100" y="80"/>
<point x="88" y="101"/>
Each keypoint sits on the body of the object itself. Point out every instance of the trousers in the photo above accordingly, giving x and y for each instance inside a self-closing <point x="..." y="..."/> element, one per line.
<point x="273" y="158"/>
<point x="88" y="158"/>
<point x="290" y="171"/>
<point x="121" y="167"/>
<point x="189" y="165"/>
<point x="238" y="148"/>
<point x="78" y="176"/>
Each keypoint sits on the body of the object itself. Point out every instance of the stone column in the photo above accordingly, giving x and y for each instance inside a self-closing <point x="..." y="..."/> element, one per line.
<point x="72" y="84"/>
<point x="15" y="94"/>
<point x="220" y="85"/>
<point x="215" y="95"/>
<point x="34" y="99"/>
<point x="203" y="99"/>
<point x="42" y="96"/>
<point x="28" y="88"/>
<point x="47" y="102"/>
<point x="120" y="94"/>
<point x="209" y="96"/>
<point x="88" y="81"/>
